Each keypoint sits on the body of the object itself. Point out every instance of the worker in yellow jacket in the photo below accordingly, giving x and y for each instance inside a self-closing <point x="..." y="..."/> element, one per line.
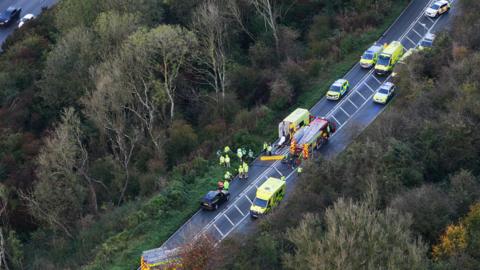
<point x="245" y="170"/>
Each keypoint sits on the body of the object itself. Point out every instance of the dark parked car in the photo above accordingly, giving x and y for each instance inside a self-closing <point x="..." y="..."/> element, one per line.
<point x="213" y="199"/>
<point x="9" y="16"/>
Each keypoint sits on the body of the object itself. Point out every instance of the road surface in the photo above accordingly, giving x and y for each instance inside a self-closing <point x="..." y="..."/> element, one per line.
<point x="28" y="6"/>
<point x="352" y="114"/>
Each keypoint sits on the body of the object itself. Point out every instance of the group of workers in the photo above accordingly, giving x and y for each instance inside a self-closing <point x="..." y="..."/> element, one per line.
<point x="243" y="156"/>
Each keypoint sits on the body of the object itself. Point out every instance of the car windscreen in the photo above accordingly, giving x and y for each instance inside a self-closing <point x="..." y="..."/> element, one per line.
<point x="259" y="202"/>
<point x="383" y="91"/>
<point x="383" y="60"/>
<point x="335" y="88"/>
<point x="426" y="43"/>
<point x="435" y="6"/>
<point x="210" y="196"/>
<point x="367" y="56"/>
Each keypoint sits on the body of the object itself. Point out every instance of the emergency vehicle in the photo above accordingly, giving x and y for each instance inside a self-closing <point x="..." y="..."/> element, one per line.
<point x="438" y="8"/>
<point x="161" y="259"/>
<point x="338" y="89"/>
<point x="370" y="56"/>
<point x="268" y="195"/>
<point x="311" y="137"/>
<point x="297" y="119"/>
<point x="389" y="57"/>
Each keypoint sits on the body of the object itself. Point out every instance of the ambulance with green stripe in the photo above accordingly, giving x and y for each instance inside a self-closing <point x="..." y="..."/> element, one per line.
<point x="388" y="58"/>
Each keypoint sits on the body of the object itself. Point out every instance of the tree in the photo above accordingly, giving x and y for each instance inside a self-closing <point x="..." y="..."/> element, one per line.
<point x="66" y="75"/>
<point x="169" y="48"/>
<point x="210" y="27"/>
<point x="58" y="197"/>
<point x="355" y="237"/>
<point x="106" y="107"/>
<point x="270" y="13"/>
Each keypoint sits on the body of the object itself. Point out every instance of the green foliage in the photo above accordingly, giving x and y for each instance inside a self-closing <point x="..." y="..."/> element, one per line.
<point x="355" y="237"/>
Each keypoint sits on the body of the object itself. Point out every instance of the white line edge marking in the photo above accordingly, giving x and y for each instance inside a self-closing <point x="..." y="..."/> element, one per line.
<point x="240" y="211"/>
<point x="369" y="87"/>
<point x="364" y="98"/>
<point x="351" y="102"/>
<point x="344" y="112"/>
<point x="218" y="230"/>
<point x="229" y="220"/>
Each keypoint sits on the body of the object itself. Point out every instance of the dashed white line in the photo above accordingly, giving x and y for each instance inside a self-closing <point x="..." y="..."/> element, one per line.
<point x="375" y="78"/>
<point x="414" y="43"/>
<point x="218" y="230"/>
<point x="344" y="112"/>
<point x="229" y="220"/>
<point x="418" y="34"/>
<point x="354" y="105"/>
<point x="240" y="211"/>
<point x="424" y="26"/>
<point x="430" y="19"/>
<point x="248" y="198"/>
<point x="336" y="120"/>
<point x="281" y="174"/>
<point x="360" y="94"/>
<point x="368" y="86"/>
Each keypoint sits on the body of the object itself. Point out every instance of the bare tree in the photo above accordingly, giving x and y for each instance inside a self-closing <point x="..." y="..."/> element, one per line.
<point x="106" y="107"/>
<point x="268" y="10"/>
<point x="210" y="26"/>
<point x="236" y="13"/>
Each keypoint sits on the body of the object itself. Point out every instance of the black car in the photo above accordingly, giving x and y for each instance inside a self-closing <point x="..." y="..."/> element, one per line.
<point x="213" y="199"/>
<point x="9" y="15"/>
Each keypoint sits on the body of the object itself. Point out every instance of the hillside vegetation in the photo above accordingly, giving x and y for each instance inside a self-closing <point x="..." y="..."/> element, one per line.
<point x="111" y="112"/>
<point x="405" y="195"/>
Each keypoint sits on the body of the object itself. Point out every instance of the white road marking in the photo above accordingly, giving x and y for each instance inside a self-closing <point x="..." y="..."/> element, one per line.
<point x="336" y="120"/>
<point x="418" y="34"/>
<point x="375" y="78"/>
<point x="248" y="199"/>
<point x="368" y="86"/>
<point x="414" y="43"/>
<point x="218" y="230"/>
<point x="364" y="98"/>
<point x="240" y="211"/>
<point x="344" y="112"/>
<point x="351" y="102"/>
<point x="229" y="220"/>
<point x="281" y="174"/>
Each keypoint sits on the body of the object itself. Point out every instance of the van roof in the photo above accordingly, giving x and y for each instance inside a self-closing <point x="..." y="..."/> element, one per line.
<point x="392" y="47"/>
<point x="295" y="115"/>
<point x="269" y="187"/>
<point x="375" y="48"/>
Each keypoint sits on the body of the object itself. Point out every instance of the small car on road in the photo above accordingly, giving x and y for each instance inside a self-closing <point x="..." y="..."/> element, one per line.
<point x="437" y="8"/>
<point x="9" y="15"/>
<point x="213" y="199"/>
<point x="338" y="89"/>
<point x="427" y="41"/>
<point x="384" y="93"/>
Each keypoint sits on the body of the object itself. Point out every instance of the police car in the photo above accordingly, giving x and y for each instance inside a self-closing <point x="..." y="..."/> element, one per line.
<point x="437" y="8"/>
<point x="384" y="93"/>
<point x="427" y="41"/>
<point x="338" y="89"/>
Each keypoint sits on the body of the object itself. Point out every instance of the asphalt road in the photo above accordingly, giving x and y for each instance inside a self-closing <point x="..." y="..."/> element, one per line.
<point x="353" y="113"/>
<point x="28" y="6"/>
